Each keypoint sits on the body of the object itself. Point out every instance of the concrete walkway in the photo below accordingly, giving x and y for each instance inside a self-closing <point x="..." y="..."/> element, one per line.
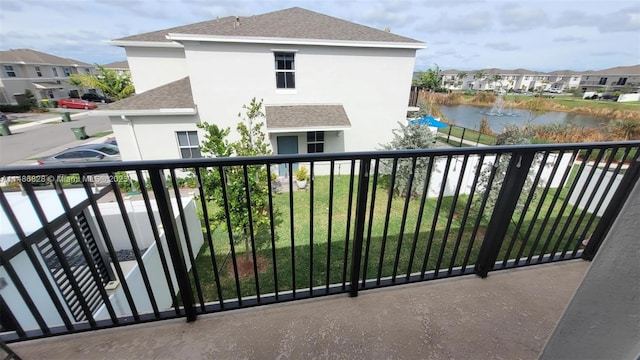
<point x="508" y="315"/>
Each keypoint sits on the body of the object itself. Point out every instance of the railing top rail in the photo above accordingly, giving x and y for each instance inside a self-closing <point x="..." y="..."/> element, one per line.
<point x="276" y="159"/>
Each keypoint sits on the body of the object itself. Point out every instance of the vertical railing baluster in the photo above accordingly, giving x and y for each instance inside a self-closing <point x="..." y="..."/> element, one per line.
<point x="385" y="231"/>
<point x="311" y="189"/>
<point x="273" y="235"/>
<point x="252" y="237"/>
<point x="361" y="209"/>
<point x="348" y="230"/>
<point x="374" y="188"/>
<point x="156" y="236"/>
<point x="187" y="237"/>
<point x="329" y="224"/>
<point x="227" y="216"/>
<point x="505" y="206"/>
<point x="165" y="210"/>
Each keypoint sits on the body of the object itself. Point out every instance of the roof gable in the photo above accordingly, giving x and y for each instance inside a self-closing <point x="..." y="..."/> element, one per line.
<point x="293" y="23"/>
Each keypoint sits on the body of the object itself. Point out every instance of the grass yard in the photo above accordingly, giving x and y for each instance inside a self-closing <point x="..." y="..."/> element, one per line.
<point x="321" y="246"/>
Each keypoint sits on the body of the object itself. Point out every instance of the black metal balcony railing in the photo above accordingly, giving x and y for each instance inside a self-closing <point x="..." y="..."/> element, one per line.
<point x="82" y="256"/>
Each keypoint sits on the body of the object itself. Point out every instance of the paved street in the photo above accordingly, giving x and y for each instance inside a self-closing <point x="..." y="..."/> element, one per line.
<point x="37" y="135"/>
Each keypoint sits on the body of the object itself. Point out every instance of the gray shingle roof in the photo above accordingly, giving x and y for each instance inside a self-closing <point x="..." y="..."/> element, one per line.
<point x="36" y="57"/>
<point x="293" y="23"/>
<point x="174" y="95"/>
<point x="620" y="70"/>
<point x="117" y="65"/>
<point x="305" y="116"/>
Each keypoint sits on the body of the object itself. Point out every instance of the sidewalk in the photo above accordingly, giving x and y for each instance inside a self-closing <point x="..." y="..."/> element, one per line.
<point x="40" y="118"/>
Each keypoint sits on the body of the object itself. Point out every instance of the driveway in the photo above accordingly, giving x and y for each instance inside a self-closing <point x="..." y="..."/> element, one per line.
<point x="37" y="135"/>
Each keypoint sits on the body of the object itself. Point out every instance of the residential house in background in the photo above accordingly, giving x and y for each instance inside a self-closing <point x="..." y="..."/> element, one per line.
<point x="44" y="74"/>
<point x="328" y="86"/>
<point x="625" y="79"/>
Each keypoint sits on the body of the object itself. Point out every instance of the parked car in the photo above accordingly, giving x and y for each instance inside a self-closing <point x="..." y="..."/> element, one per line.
<point x="3" y="116"/>
<point x="72" y="103"/>
<point x="111" y="141"/>
<point x="96" y="98"/>
<point x="84" y="153"/>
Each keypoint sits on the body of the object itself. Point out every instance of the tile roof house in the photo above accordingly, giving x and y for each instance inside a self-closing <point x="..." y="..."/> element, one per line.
<point x="44" y="74"/>
<point x="327" y="84"/>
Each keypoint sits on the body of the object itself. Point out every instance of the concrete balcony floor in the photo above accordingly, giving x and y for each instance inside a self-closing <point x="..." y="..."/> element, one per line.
<point x="508" y="315"/>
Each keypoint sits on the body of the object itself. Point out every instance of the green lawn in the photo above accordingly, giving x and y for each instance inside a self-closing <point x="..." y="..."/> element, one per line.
<point x="327" y="242"/>
<point x="468" y="134"/>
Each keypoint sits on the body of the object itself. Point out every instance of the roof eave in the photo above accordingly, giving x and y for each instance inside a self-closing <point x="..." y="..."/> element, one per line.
<point x="294" y="41"/>
<point x="149" y="112"/>
<point x="307" y="128"/>
<point x="139" y="43"/>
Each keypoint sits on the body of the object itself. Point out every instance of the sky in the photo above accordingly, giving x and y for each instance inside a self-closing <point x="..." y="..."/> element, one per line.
<point x="538" y="35"/>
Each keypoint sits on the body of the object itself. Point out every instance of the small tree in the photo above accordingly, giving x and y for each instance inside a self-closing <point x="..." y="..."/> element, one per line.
<point x="511" y="135"/>
<point x="113" y="84"/>
<point x="252" y="142"/>
<point x="408" y="137"/>
<point x="430" y="79"/>
<point x="484" y="126"/>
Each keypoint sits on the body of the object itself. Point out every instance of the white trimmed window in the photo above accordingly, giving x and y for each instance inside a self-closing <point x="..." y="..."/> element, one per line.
<point x="315" y="142"/>
<point x="10" y="71"/>
<point x="55" y="71"/>
<point x="38" y="71"/>
<point x="285" y="70"/>
<point x="67" y="71"/>
<point x="188" y="144"/>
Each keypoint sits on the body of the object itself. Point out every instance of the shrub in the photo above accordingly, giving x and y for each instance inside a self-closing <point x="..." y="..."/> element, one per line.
<point x="14" y="108"/>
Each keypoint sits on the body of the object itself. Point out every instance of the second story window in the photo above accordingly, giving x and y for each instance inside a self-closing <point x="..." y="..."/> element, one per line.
<point x="9" y="70"/>
<point x="621" y="81"/>
<point x="285" y="70"/>
<point x="55" y="71"/>
<point x="86" y="70"/>
<point x="38" y="71"/>
<point x="188" y="144"/>
<point x="603" y="81"/>
<point x="67" y="71"/>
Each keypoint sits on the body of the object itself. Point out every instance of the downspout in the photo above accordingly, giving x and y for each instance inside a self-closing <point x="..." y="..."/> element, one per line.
<point x="133" y="132"/>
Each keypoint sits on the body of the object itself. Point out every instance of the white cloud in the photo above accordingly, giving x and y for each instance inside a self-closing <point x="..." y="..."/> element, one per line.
<point x="462" y="34"/>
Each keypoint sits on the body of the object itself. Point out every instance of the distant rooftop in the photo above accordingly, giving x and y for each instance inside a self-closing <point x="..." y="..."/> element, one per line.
<point x="36" y="57"/>
<point x="117" y="65"/>
<point x="620" y="70"/>
<point x="293" y="23"/>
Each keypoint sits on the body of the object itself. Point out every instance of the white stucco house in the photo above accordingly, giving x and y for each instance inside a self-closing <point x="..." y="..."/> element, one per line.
<point x="45" y="75"/>
<point x="327" y="85"/>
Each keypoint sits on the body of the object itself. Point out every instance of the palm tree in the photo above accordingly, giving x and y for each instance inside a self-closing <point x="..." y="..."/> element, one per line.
<point x="480" y="76"/>
<point x="460" y="77"/>
<point x="114" y="85"/>
<point x="496" y="79"/>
